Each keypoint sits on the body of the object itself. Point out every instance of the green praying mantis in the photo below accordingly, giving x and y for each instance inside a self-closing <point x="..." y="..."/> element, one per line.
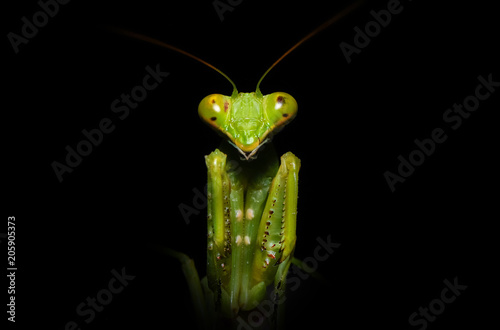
<point x="252" y="206"/>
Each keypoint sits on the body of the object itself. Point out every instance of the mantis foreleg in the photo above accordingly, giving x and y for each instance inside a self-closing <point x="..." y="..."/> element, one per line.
<point x="252" y="210"/>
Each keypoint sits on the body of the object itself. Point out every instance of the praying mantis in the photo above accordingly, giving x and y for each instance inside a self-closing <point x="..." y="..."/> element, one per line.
<point x="251" y="200"/>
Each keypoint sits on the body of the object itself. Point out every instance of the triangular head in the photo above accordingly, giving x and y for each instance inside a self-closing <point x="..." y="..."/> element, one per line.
<point x="248" y="120"/>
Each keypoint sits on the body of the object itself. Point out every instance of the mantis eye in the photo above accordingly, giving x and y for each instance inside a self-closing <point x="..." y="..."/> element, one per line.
<point x="280" y="108"/>
<point x="213" y="110"/>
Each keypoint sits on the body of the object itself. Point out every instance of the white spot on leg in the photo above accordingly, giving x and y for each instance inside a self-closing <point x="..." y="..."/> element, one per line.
<point x="247" y="240"/>
<point x="239" y="215"/>
<point x="250" y="214"/>
<point x="238" y="240"/>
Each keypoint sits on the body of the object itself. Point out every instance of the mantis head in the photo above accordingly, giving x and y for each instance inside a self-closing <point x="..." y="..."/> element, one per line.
<point x="248" y="120"/>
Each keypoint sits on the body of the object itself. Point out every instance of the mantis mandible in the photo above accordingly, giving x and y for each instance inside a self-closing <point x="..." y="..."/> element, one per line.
<point x="252" y="206"/>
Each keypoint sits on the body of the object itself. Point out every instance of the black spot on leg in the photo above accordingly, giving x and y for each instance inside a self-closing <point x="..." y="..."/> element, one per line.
<point x="213" y="118"/>
<point x="285" y="115"/>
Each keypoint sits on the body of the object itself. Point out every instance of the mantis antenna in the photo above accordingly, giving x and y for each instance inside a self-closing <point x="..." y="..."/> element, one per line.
<point x="157" y="42"/>
<point x="165" y="45"/>
<point x="309" y="36"/>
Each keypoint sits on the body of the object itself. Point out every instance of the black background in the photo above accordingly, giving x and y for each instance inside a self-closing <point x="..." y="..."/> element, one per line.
<point x="354" y="120"/>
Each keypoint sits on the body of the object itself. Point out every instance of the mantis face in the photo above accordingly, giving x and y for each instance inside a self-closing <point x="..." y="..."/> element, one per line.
<point x="247" y="119"/>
